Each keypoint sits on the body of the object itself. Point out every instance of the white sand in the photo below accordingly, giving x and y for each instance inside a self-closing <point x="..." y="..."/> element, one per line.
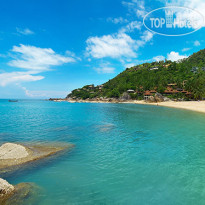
<point x="198" y="106"/>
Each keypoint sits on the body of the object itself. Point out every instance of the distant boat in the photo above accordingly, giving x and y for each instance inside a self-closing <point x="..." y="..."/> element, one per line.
<point x="13" y="100"/>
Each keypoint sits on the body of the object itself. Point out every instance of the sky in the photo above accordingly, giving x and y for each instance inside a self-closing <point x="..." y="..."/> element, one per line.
<point x="49" y="48"/>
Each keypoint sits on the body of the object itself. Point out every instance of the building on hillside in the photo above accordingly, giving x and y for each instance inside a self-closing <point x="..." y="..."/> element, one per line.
<point x="130" y="91"/>
<point x="155" y="68"/>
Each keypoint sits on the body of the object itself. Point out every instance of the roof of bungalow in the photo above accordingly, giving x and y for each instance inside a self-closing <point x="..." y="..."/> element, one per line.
<point x="147" y="93"/>
<point x="130" y="90"/>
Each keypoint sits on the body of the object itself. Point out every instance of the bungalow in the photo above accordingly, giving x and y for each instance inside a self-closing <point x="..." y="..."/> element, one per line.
<point x="155" y="68"/>
<point x="130" y="91"/>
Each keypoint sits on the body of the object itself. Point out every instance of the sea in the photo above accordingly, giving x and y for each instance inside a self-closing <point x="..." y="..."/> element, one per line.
<point x="124" y="154"/>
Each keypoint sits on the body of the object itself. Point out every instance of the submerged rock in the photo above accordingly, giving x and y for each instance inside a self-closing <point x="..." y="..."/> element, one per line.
<point x="23" y="193"/>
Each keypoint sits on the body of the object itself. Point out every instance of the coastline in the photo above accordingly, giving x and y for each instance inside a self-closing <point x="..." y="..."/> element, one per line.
<point x="197" y="106"/>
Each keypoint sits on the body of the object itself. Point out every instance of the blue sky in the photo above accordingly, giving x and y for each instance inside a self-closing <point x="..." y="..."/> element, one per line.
<point x="49" y="48"/>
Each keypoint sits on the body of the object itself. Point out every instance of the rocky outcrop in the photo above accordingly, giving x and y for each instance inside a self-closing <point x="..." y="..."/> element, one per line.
<point x="151" y="99"/>
<point x="156" y="98"/>
<point x="159" y="97"/>
<point x="125" y="96"/>
<point x="6" y="190"/>
<point x="12" y="154"/>
<point x="23" y="193"/>
<point x="12" y="151"/>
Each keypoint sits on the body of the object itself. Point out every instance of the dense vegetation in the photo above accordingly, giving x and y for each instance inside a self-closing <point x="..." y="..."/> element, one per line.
<point x="188" y="74"/>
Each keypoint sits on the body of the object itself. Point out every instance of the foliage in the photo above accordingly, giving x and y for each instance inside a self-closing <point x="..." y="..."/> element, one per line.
<point x="141" y="78"/>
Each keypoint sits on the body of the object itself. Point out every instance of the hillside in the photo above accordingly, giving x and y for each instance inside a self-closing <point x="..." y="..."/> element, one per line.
<point x="184" y="79"/>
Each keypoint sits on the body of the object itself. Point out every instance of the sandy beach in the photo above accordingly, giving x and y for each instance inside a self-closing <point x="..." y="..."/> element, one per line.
<point x="198" y="106"/>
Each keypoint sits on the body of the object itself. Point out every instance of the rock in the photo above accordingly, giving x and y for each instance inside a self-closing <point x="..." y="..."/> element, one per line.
<point x="5" y="188"/>
<point x="166" y="99"/>
<point x="158" y="97"/>
<point x="151" y="99"/>
<point x="125" y="96"/>
<point x="12" y="151"/>
<point x="23" y="193"/>
<point x="15" y="154"/>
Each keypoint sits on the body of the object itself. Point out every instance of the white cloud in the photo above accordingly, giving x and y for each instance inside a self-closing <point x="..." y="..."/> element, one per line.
<point x="118" y="45"/>
<point x="131" y="27"/>
<point x="186" y="49"/>
<point x="38" y="59"/>
<point x="175" y="56"/>
<point x="114" y="46"/>
<point x="43" y="93"/>
<point x="158" y="58"/>
<point x="25" y="31"/>
<point x="197" y="5"/>
<point x="136" y="6"/>
<point x="18" y="77"/>
<point x="197" y="43"/>
<point x="118" y="20"/>
<point x="35" y="60"/>
<point x="105" y="70"/>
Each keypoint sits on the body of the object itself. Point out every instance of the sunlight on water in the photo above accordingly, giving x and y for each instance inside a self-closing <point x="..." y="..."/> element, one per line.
<point x="124" y="154"/>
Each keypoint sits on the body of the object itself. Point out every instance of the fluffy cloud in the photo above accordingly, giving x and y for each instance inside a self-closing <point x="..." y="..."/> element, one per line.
<point x="175" y="56"/>
<point x="25" y="31"/>
<point x="116" y="46"/>
<point x="18" y="77"/>
<point x="197" y="5"/>
<point x="35" y="58"/>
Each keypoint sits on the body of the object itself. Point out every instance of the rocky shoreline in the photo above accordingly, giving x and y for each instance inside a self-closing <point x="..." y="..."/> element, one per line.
<point x="197" y="106"/>
<point x="14" y="156"/>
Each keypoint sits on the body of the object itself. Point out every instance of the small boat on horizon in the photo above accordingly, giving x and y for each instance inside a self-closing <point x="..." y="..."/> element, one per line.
<point x="13" y="100"/>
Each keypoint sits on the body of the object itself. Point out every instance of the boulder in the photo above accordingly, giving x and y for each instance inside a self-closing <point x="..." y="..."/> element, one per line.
<point x="23" y="193"/>
<point x="5" y="188"/>
<point x="13" y="155"/>
<point x="12" y="151"/>
<point x="125" y="96"/>
<point x="151" y="99"/>
<point x="158" y="97"/>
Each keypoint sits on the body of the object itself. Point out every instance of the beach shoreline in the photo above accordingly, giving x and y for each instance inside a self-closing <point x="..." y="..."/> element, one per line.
<point x="197" y="106"/>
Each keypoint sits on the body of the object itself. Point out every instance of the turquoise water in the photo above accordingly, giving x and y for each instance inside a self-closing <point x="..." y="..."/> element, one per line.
<point x="124" y="154"/>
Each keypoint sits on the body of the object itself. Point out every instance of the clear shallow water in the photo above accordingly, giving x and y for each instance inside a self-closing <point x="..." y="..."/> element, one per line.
<point x="124" y="154"/>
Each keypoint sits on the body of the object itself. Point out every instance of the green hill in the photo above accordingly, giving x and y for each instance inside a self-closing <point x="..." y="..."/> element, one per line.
<point x="183" y="79"/>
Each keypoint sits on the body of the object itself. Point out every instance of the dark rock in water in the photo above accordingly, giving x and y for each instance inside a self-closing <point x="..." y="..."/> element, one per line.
<point x="158" y="97"/>
<point x="125" y="96"/>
